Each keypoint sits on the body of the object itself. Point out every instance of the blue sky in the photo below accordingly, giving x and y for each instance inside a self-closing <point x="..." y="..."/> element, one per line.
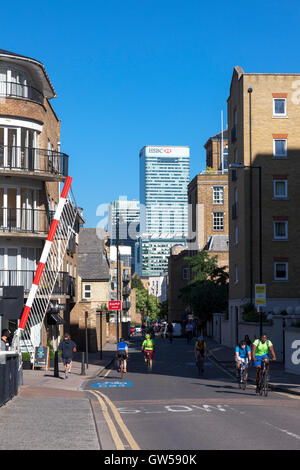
<point x="134" y="72"/>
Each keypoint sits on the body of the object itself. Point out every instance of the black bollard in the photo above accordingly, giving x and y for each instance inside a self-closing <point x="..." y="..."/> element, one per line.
<point x="56" y="370"/>
<point x="82" y="365"/>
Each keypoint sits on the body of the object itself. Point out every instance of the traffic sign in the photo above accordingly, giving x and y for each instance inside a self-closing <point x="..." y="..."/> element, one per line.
<point x="260" y="295"/>
<point x="114" y="305"/>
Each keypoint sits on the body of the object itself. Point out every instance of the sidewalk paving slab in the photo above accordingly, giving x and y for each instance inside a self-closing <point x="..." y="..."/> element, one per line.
<point x="52" y="413"/>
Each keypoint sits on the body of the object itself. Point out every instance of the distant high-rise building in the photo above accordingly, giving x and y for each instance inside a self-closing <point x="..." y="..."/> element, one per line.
<point x="164" y="177"/>
<point x="125" y="215"/>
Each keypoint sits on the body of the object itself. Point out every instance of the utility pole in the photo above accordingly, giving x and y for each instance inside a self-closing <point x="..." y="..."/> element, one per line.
<point x="118" y="270"/>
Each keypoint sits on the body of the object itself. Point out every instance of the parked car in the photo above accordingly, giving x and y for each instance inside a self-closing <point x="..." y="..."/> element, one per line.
<point x="138" y="328"/>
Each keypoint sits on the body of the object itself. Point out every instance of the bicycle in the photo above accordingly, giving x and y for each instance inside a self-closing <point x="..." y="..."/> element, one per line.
<point x="121" y="366"/>
<point x="263" y="384"/>
<point x="200" y="364"/>
<point x="243" y="376"/>
<point x="148" y="362"/>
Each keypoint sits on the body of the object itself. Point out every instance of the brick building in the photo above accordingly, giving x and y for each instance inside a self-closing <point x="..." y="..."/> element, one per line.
<point x="208" y="221"/>
<point x="263" y="122"/>
<point x="32" y="168"/>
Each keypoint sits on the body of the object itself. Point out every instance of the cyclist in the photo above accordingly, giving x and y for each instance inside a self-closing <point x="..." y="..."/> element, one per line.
<point x="200" y="351"/>
<point x="260" y="351"/>
<point x="122" y="353"/>
<point x="242" y="354"/>
<point x="148" y="347"/>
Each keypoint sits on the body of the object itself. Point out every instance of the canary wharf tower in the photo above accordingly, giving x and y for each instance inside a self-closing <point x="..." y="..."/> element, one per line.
<point x="164" y="177"/>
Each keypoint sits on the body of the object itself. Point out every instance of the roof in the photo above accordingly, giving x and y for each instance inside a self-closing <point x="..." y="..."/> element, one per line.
<point x="37" y="67"/>
<point x="92" y="262"/>
<point x="218" y="243"/>
<point x="218" y="136"/>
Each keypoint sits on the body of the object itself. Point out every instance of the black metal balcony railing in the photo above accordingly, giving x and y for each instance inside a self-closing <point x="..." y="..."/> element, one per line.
<point x="33" y="160"/>
<point x="126" y="278"/>
<point x="18" y="90"/>
<point x="25" y="220"/>
<point x="126" y="305"/>
<point x="126" y="291"/>
<point x="65" y="284"/>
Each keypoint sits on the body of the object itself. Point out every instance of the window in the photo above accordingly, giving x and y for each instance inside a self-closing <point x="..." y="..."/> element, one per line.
<point x="185" y="274"/>
<point x="280" y="148"/>
<point x="87" y="291"/>
<point x="218" y="221"/>
<point x="218" y="195"/>
<point x="279" y="107"/>
<point x="236" y="235"/>
<point x="280" y="271"/>
<point x="280" y="189"/>
<point x="236" y="273"/>
<point x="236" y="156"/>
<point x="280" y="229"/>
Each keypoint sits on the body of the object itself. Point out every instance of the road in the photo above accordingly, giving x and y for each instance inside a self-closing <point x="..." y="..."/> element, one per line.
<point x="173" y="408"/>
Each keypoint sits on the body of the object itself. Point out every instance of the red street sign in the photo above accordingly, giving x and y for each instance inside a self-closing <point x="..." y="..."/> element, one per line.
<point x="114" y="305"/>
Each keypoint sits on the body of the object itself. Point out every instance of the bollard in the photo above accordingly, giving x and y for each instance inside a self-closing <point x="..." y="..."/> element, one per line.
<point x="56" y="370"/>
<point x="82" y="365"/>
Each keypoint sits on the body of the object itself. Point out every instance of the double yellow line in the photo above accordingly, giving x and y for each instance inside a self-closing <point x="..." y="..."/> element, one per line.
<point x="106" y="404"/>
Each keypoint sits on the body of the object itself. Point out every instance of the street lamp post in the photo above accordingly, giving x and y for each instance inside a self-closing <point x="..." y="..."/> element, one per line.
<point x="242" y="166"/>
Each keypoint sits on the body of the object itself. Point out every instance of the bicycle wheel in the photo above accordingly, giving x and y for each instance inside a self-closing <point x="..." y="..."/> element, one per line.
<point x="122" y="368"/>
<point x="261" y="382"/>
<point x="266" y="384"/>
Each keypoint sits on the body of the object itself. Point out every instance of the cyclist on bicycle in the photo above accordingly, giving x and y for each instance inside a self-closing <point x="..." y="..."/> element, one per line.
<point x="148" y="348"/>
<point x="122" y="352"/>
<point x="200" y="351"/>
<point x="260" y="352"/>
<point x="242" y="354"/>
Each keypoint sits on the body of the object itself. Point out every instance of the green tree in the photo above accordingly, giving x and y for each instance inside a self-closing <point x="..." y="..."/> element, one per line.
<point x="207" y="292"/>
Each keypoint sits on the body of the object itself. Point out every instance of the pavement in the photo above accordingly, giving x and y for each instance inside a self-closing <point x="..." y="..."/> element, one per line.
<point x="54" y="413"/>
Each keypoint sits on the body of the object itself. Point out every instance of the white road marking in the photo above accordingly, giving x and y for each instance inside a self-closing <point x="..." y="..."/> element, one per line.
<point x="285" y="431"/>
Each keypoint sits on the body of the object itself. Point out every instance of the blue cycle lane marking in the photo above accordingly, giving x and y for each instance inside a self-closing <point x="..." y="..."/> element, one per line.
<point x="112" y="384"/>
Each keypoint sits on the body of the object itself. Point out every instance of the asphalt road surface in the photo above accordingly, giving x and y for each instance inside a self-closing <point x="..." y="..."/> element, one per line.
<point x="173" y="408"/>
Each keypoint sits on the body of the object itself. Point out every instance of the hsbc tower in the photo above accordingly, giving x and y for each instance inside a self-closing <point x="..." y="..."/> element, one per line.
<point x="164" y="178"/>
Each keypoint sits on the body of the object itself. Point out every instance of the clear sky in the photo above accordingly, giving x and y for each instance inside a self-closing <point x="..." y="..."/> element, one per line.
<point x="130" y="73"/>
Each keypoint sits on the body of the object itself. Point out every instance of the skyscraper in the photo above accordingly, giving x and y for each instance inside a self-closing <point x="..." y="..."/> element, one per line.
<point x="125" y="214"/>
<point x="164" y="177"/>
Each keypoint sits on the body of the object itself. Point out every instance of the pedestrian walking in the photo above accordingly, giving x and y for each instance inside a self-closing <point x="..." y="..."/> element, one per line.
<point x="189" y="332"/>
<point x="68" y="347"/>
<point x="248" y="340"/>
<point x="5" y="335"/>
<point x="170" y="329"/>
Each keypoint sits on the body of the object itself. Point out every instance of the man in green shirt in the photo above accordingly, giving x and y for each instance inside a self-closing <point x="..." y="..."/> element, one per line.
<point x="260" y="351"/>
<point x="148" y="348"/>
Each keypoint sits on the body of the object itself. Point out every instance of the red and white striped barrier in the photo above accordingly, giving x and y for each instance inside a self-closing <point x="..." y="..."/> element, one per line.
<point x="45" y="253"/>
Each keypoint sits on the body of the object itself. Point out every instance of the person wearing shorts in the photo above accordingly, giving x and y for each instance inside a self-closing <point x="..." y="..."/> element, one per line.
<point x="260" y="351"/>
<point x="68" y="347"/>
<point x="122" y="352"/>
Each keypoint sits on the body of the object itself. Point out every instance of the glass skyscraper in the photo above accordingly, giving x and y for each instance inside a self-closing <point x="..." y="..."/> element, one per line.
<point x="164" y="177"/>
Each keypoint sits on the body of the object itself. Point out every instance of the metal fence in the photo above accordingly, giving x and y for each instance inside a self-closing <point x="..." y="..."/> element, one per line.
<point x="9" y="376"/>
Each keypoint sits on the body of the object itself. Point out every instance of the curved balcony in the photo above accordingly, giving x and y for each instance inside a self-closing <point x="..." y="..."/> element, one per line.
<point x="34" y="162"/>
<point x="65" y="284"/>
<point x="20" y="91"/>
<point x="35" y="222"/>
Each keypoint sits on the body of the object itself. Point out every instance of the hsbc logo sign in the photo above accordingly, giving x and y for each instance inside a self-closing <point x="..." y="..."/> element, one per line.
<point x="160" y="150"/>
